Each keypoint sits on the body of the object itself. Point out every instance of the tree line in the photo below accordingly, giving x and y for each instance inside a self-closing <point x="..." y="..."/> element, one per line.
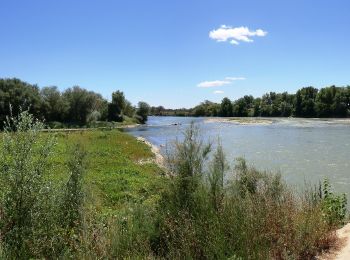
<point x="74" y="106"/>
<point x="306" y="102"/>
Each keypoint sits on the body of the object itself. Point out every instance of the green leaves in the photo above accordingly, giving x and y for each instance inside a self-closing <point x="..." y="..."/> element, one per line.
<point x="333" y="206"/>
<point x="27" y="194"/>
<point x="142" y="112"/>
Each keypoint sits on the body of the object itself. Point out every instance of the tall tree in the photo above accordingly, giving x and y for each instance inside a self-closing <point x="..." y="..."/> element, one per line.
<point x="305" y="102"/>
<point x="142" y="112"/>
<point x="19" y="95"/>
<point x="226" y="108"/>
<point x="129" y="109"/>
<point x="116" y="107"/>
<point x="54" y="106"/>
<point x="81" y="104"/>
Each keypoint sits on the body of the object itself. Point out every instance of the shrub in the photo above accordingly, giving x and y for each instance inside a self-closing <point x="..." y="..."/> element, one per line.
<point x="27" y="194"/>
<point x="218" y="167"/>
<point x="36" y="214"/>
<point x="333" y="206"/>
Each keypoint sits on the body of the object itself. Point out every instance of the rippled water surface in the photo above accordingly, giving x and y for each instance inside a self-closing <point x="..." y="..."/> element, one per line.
<point x="303" y="150"/>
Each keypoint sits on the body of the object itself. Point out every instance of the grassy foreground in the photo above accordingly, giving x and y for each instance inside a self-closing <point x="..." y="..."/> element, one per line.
<point x="119" y="169"/>
<point x="99" y="195"/>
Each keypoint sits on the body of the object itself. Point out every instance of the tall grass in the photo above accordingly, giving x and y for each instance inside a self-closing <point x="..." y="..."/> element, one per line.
<point x="254" y="216"/>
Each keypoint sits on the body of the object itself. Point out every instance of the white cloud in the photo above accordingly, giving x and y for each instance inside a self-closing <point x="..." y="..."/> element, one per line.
<point x="234" y="42"/>
<point x="219" y="83"/>
<point x="234" y="78"/>
<point x="218" y="92"/>
<point x="235" y="34"/>
<point x="214" y="83"/>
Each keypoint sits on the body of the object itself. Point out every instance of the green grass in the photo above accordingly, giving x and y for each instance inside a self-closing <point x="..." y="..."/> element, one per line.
<point x="114" y="177"/>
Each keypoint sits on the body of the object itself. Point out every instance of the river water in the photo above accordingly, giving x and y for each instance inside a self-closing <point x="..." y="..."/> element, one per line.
<point x="304" y="151"/>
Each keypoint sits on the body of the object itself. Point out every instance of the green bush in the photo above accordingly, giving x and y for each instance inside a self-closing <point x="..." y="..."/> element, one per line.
<point x="32" y="207"/>
<point x="27" y="194"/>
<point x="334" y="206"/>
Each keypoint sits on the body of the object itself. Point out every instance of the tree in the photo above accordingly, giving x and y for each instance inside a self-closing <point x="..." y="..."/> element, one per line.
<point x="54" y="106"/>
<point x="265" y="105"/>
<point x="332" y="101"/>
<point x="116" y="107"/>
<point x="341" y="103"/>
<point x="81" y="104"/>
<point x="129" y="109"/>
<point x="256" y="107"/>
<point x="142" y="112"/>
<point x="305" y="102"/>
<point x="18" y="95"/>
<point x="286" y="104"/>
<point x="242" y="106"/>
<point x="226" y="108"/>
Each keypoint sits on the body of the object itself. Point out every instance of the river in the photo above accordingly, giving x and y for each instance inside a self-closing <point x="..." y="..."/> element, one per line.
<point x="304" y="151"/>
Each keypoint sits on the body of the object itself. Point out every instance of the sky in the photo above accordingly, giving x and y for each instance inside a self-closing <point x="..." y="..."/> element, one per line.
<point x="176" y="53"/>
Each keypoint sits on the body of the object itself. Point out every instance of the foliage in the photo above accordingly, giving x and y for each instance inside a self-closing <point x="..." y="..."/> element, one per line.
<point x="142" y="112"/>
<point x="186" y="163"/>
<point x="74" y="107"/>
<point x="36" y="213"/>
<point x="78" y="107"/>
<point x="129" y="110"/>
<point x="307" y="102"/>
<point x="206" y="108"/>
<point x="73" y="194"/>
<point x="26" y="192"/>
<point x="117" y="106"/>
<point x="218" y="167"/>
<point x="334" y="206"/>
<point x="18" y="94"/>
<point x="82" y="103"/>
<point x="226" y="107"/>
<point x="54" y="106"/>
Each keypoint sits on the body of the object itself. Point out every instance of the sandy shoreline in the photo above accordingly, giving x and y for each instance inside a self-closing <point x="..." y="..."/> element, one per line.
<point x="239" y="121"/>
<point x="341" y="251"/>
<point x="158" y="157"/>
<point x="276" y="120"/>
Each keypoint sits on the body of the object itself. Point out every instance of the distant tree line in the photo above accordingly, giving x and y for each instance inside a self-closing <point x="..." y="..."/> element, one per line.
<point x="74" y="106"/>
<point x="307" y="102"/>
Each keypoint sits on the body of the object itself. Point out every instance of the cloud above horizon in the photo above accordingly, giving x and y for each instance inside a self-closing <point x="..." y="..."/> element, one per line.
<point x="218" y="83"/>
<point x="218" y="92"/>
<point x="235" y="35"/>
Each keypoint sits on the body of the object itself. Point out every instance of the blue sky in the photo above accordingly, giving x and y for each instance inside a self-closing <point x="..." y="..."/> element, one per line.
<point x="161" y="51"/>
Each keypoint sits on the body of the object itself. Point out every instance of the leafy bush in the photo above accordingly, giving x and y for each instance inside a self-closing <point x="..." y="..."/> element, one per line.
<point x="334" y="206"/>
<point x="27" y="194"/>
<point x="32" y="207"/>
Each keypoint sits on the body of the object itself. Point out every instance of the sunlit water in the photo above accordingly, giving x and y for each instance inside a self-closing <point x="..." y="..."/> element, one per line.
<point x="302" y="150"/>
